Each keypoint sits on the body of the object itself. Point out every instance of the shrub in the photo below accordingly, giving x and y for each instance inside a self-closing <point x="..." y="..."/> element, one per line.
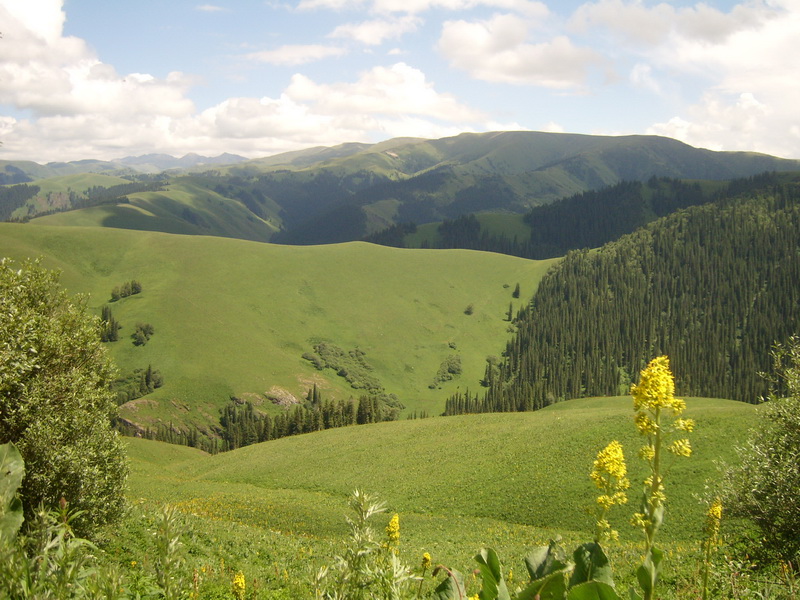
<point x="55" y="399"/>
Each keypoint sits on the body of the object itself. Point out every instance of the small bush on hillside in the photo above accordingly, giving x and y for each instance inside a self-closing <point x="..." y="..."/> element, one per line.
<point x="763" y="489"/>
<point x="142" y="334"/>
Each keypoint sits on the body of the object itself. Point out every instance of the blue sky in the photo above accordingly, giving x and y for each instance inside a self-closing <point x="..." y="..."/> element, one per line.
<point x="105" y="79"/>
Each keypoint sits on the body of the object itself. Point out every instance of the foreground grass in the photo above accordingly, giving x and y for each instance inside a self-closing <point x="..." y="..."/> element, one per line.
<point x="509" y="481"/>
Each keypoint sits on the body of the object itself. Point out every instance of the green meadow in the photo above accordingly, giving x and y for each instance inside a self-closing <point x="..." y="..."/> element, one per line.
<point x="233" y="318"/>
<point x="508" y="481"/>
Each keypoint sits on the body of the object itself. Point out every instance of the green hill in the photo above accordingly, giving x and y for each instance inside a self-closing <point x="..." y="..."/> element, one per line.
<point x="234" y="318"/>
<point x="330" y="195"/>
<point x="506" y="480"/>
<point x="712" y="286"/>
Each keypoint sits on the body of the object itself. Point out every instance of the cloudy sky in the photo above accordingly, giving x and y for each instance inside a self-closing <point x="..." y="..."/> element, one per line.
<point x="111" y="78"/>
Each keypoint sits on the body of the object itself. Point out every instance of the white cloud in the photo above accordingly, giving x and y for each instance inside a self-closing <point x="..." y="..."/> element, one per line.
<point x="498" y="50"/>
<point x="637" y="23"/>
<point x="296" y="54"/>
<point x="72" y="105"/>
<point x="376" y="31"/>
<point x="641" y="76"/>
<point x="393" y="101"/>
<point x="526" y="7"/>
<point x="211" y="8"/>
<point x="396" y="90"/>
<point x="751" y="96"/>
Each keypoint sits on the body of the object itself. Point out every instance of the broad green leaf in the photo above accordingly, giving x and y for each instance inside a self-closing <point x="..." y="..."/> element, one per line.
<point x="647" y="573"/>
<point x="634" y="595"/>
<point x="545" y="560"/>
<point x="451" y="588"/>
<point x="591" y="564"/>
<point x="593" y="590"/>
<point x="552" y="587"/>
<point x="493" y="585"/>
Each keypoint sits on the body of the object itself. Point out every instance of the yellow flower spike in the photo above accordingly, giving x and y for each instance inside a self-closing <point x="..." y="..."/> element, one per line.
<point x="426" y="561"/>
<point x="238" y="586"/>
<point x="647" y="452"/>
<point x="713" y="518"/>
<point x="681" y="448"/>
<point x="393" y="529"/>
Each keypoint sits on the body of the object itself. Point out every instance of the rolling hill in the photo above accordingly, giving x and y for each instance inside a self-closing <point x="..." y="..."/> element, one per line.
<point x="510" y="481"/>
<point x="234" y="318"/>
<point x="328" y="195"/>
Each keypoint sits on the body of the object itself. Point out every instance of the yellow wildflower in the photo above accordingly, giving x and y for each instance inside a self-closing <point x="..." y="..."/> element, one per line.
<point x="681" y="448"/>
<point x="713" y="518"/>
<point x="238" y="586"/>
<point x="426" y="561"/>
<point x="686" y="425"/>
<point x="393" y="529"/>
<point x="647" y="452"/>
<point x="610" y="462"/>
<point x="644" y="424"/>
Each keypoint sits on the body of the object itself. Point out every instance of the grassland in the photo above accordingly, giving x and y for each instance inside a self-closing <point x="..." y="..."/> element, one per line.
<point x="510" y="481"/>
<point x="234" y="318"/>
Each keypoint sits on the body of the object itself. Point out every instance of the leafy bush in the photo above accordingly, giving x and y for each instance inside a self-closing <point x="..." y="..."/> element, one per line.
<point x="55" y="399"/>
<point x="763" y="489"/>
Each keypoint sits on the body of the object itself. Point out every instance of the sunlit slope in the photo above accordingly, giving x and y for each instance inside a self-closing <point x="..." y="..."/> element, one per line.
<point x="185" y="206"/>
<point x="519" y="468"/>
<point x="233" y="317"/>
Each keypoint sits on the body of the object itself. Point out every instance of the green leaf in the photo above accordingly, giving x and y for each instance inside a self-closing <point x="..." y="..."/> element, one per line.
<point x="551" y="587"/>
<point x="493" y="585"/>
<point x="633" y="594"/>
<point x="545" y="560"/>
<point x="647" y="573"/>
<point x="12" y="470"/>
<point x="593" y="590"/>
<point x="452" y="587"/>
<point x="591" y="564"/>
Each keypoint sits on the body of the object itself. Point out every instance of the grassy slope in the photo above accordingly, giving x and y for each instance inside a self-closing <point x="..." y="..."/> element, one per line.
<point x="506" y="480"/>
<point x="185" y="207"/>
<point x="233" y="317"/>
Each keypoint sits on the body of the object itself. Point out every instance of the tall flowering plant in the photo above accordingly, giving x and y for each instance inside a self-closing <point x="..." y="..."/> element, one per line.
<point x="657" y="415"/>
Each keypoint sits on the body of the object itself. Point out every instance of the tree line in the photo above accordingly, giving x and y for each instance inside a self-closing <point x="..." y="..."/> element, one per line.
<point x="242" y="425"/>
<point x="712" y="286"/>
<point x="585" y="220"/>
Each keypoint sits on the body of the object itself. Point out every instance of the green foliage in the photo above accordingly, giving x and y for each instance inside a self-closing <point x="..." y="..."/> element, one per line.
<point x="709" y="285"/>
<point x="55" y="401"/>
<point x="12" y="470"/>
<point x="142" y="333"/>
<point x="763" y="488"/>
<point x="129" y="288"/>
<point x="448" y="370"/>
<point x="109" y="326"/>
<point x="137" y="384"/>
<point x="368" y="568"/>
<point x="351" y="365"/>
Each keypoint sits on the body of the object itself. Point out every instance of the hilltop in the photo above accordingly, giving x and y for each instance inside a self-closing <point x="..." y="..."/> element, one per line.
<point x="343" y="193"/>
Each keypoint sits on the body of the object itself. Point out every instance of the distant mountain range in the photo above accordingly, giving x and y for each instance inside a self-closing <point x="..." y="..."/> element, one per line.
<point x="345" y="192"/>
<point x="19" y="171"/>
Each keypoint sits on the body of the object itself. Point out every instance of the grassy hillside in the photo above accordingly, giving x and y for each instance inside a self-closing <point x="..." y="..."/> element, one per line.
<point x="342" y="193"/>
<point x="185" y="206"/>
<point x="234" y="317"/>
<point x="506" y="480"/>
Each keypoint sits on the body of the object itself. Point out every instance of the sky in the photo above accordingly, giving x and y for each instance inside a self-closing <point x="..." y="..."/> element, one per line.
<point x="104" y="79"/>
